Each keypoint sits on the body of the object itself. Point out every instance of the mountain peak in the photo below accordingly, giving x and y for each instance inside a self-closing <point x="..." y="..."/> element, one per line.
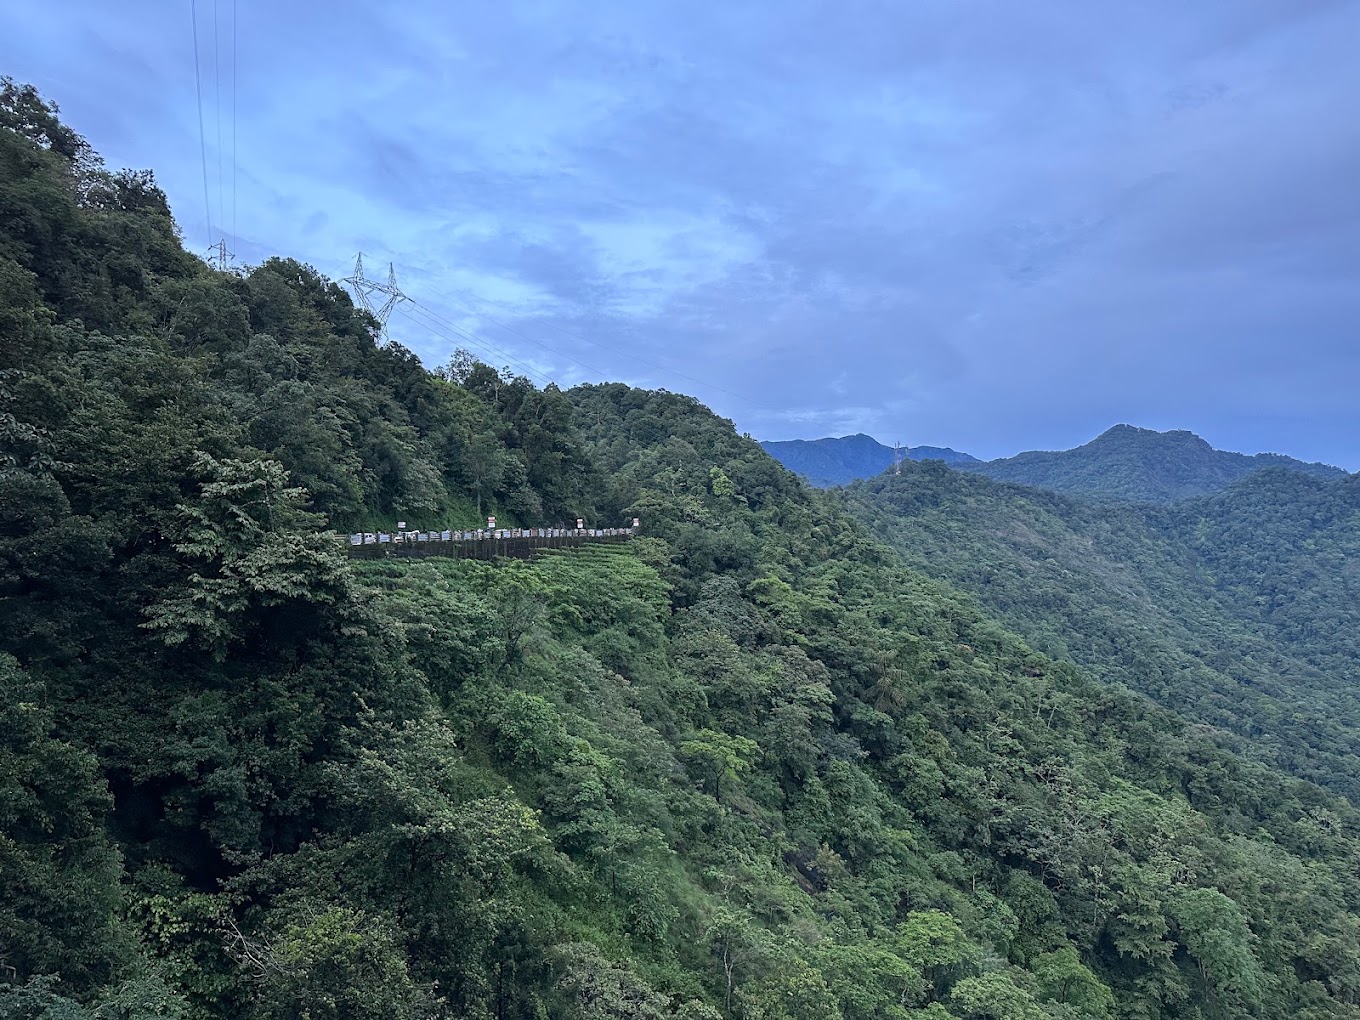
<point x="1152" y="440"/>
<point x="1141" y="465"/>
<point x="826" y="462"/>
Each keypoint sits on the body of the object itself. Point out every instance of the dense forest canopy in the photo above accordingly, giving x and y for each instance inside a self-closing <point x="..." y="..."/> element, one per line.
<point x="1240" y="610"/>
<point x="750" y="765"/>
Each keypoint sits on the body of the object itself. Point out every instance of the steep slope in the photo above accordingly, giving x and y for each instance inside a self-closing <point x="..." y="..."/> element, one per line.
<point x="1238" y="610"/>
<point x="748" y="766"/>
<point x="1140" y="465"/>
<point x="827" y="462"/>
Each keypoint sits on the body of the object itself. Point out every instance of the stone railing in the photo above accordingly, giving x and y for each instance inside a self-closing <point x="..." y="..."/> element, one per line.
<point x="482" y="544"/>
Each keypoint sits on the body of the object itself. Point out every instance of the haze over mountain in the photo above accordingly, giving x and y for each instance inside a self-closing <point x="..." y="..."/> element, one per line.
<point x="826" y="462"/>
<point x="1141" y="465"/>
<point x="1124" y="463"/>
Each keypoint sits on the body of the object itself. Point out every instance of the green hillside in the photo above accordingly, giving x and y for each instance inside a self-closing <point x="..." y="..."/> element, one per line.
<point x="1238" y="610"/>
<point x="1140" y="465"/>
<point x="750" y="765"/>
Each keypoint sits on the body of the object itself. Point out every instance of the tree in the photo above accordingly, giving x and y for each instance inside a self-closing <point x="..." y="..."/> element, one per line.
<point x="486" y="461"/>
<point x="1063" y="978"/>
<point x="138" y="998"/>
<point x="252" y="560"/>
<point x="869" y="981"/>
<point x="994" y="996"/>
<point x="24" y="111"/>
<point x="338" y="963"/>
<point x="719" y="757"/>
<point x="603" y="990"/>
<point x="58" y="872"/>
<point x="933" y="943"/>
<point x="734" y="940"/>
<point x="1213" y="930"/>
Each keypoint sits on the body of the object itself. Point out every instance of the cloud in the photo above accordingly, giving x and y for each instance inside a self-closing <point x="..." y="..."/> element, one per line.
<point x="990" y="225"/>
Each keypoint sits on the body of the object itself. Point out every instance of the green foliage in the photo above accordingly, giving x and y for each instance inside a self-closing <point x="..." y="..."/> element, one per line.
<point x="140" y="998"/>
<point x="1215" y="933"/>
<point x="256" y="555"/>
<point x="338" y="964"/>
<point x="1238" y="611"/>
<point x="750" y="766"/>
<point x="1062" y="978"/>
<point x="57" y="867"/>
<point x="994" y="996"/>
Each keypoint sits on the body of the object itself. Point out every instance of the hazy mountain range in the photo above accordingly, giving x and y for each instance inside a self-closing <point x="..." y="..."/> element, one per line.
<point x="827" y="462"/>
<point x="1124" y="462"/>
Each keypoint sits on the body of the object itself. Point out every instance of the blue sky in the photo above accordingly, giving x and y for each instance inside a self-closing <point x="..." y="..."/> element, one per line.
<point x="973" y="223"/>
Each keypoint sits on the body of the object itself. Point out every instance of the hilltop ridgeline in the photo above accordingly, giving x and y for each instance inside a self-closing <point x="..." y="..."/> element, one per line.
<point x="1123" y="463"/>
<point x="1141" y="465"/>
<point x="828" y="462"/>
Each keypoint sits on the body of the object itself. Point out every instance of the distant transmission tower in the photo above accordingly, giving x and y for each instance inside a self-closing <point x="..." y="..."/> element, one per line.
<point x="364" y="289"/>
<point x="897" y="458"/>
<point x="219" y="256"/>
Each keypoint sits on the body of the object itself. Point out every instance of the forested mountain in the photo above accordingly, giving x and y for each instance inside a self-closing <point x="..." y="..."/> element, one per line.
<point x="1241" y="610"/>
<point x="750" y="765"/>
<point x="1140" y="465"/>
<point x="1123" y="463"/>
<point x="827" y="462"/>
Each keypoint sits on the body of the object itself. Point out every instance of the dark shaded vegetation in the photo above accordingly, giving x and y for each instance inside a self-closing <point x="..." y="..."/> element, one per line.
<point x="750" y="765"/>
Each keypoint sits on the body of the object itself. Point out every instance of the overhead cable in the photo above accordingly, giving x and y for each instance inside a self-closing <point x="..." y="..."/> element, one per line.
<point x="217" y="106"/>
<point x="202" y="143"/>
<point x="640" y="360"/>
<point x="234" y="238"/>
<point x="458" y="336"/>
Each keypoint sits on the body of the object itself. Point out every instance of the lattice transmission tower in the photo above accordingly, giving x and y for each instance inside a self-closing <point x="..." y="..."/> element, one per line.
<point x="219" y="256"/>
<point x="364" y="289"/>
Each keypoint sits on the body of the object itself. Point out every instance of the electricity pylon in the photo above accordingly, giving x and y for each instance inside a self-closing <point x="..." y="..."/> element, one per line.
<point x="219" y="256"/>
<point x="364" y="289"/>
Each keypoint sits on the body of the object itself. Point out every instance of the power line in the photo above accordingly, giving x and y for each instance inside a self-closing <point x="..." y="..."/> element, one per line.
<point x="364" y="287"/>
<point x="202" y="143"/>
<point x="483" y="345"/>
<point x="640" y="360"/>
<point x="482" y="351"/>
<point x="234" y="238"/>
<point x="444" y="329"/>
<point x="217" y="106"/>
<point x="567" y="357"/>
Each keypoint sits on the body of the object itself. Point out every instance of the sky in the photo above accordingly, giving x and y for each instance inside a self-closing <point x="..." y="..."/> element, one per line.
<point x="982" y="224"/>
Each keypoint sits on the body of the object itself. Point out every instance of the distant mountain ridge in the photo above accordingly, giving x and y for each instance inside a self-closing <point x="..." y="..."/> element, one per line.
<point x="826" y="462"/>
<point x="1140" y="465"/>
<point x="1125" y="463"/>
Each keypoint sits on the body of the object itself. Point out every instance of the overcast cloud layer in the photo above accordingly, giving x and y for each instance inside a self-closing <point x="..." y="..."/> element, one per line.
<point x="976" y="223"/>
